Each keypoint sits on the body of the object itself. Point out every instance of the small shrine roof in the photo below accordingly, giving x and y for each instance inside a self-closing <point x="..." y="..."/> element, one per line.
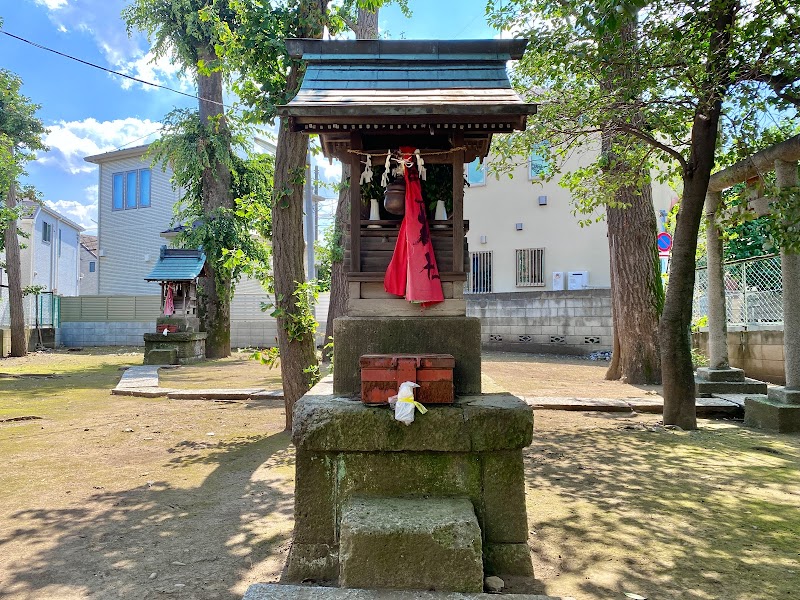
<point x="177" y="264"/>
<point x="407" y="82"/>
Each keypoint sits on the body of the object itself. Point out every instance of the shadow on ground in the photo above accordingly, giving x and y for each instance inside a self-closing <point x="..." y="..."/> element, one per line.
<point x="196" y="541"/>
<point x="615" y="507"/>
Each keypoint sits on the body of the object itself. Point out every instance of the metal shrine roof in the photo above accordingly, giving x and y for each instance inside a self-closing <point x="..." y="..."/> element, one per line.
<point x="177" y="264"/>
<point x="407" y="82"/>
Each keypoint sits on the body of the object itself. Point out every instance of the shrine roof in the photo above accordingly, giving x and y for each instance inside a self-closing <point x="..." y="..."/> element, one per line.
<point x="177" y="264"/>
<point x="408" y="81"/>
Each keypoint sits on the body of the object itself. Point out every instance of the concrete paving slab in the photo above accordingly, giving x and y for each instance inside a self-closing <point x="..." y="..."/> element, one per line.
<point x="739" y="399"/>
<point x="139" y="377"/>
<point x="146" y="392"/>
<point x="564" y="403"/>
<point x="652" y="404"/>
<point x="224" y="394"/>
<point x="717" y="406"/>
<point x="276" y="591"/>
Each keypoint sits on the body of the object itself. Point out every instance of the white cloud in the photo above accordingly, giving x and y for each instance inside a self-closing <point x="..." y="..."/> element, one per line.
<point x="71" y="141"/>
<point x="162" y="71"/>
<point x="84" y="215"/>
<point x="53" y="4"/>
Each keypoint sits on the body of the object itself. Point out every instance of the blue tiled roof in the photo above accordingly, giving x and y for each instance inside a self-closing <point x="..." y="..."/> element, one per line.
<point x="177" y="264"/>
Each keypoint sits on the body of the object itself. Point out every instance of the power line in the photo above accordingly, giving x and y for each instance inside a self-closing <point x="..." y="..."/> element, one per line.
<point x="107" y="70"/>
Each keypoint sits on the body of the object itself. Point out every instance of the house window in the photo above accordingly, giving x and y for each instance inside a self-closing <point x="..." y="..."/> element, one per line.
<point x="117" y="191"/>
<point x="479" y="280"/>
<point x="537" y="161"/>
<point x="47" y="232"/>
<point x="130" y="190"/>
<point x="476" y="173"/>
<point x="530" y="267"/>
<point x="92" y="266"/>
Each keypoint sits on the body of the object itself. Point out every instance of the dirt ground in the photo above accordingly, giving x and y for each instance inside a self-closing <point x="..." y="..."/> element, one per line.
<point x="115" y="497"/>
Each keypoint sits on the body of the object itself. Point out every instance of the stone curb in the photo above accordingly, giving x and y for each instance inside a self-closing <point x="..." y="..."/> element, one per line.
<point x="142" y="381"/>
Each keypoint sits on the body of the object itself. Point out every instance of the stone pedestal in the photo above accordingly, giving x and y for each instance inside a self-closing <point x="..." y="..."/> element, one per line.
<point x="181" y="347"/>
<point x="728" y="380"/>
<point x="356" y="336"/>
<point x="471" y="449"/>
<point x="779" y="411"/>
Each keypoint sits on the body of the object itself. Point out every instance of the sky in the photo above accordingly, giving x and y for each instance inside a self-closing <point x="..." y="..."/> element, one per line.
<point x="89" y="111"/>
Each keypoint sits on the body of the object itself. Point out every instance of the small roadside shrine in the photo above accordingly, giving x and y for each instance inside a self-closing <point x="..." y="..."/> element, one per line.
<point x="438" y="504"/>
<point x="178" y="339"/>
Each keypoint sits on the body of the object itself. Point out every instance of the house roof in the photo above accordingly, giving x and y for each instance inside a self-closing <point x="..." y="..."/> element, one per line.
<point x="134" y="152"/>
<point x="32" y="208"/>
<point x="90" y="242"/>
<point x="177" y="264"/>
<point x="407" y="80"/>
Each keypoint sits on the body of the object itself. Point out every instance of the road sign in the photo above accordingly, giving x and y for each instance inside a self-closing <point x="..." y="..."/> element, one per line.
<point x="664" y="241"/>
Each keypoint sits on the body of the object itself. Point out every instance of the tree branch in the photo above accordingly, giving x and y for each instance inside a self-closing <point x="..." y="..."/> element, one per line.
<point x="634" y="131"/>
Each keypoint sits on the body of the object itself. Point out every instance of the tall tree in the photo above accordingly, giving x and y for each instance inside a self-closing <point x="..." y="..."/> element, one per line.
<point x="21" y="135"/>
<point x="364" y="23"/>
<point x="690" y="57"/>
<point x="186" y="30"/>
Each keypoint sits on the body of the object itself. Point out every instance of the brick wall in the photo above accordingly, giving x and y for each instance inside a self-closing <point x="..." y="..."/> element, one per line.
<point x="758" y="352"/>
<point x="565" y="322"/>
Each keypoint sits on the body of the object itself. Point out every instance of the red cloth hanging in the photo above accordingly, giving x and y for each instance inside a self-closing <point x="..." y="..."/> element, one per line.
<point x="412" y="272"/>
<point x="169" y="303"/>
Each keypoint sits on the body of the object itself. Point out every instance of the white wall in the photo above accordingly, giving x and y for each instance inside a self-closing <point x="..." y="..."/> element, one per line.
<point x="494" y="209"/>
<point x="129" y="240"/>
<point x="88" y="285"/>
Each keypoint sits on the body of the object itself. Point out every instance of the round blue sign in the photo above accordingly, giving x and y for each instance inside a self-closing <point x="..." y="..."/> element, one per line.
<point x="664" y="241"/>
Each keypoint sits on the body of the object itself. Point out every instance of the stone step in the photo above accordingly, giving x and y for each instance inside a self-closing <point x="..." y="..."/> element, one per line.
<point x="739" y="399"/>
<point x="276" y="591"/>
<point x="748" y="386"/>
<point x="410" y="544"/>
<point x="225" y="394"/>
<point x="709" y="374"/>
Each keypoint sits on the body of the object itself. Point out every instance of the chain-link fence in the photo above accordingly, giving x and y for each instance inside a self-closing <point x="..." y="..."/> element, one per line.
<point x="753" y="291"/>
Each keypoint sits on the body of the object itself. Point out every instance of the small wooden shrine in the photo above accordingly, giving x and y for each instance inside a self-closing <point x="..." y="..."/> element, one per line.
<point x="406" y="107"/>
<point x="178" y="338"/>
<point x="368" y="98"/>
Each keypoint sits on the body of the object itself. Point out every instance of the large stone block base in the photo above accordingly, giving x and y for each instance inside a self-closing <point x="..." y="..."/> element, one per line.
<point x="471" y="449"/>
<point x="410" y="544"/>
<point x="188" y="347"/>
<point x="710" y="381"/>
<point x="772" y="414"/>
<point x="459" y="336"/>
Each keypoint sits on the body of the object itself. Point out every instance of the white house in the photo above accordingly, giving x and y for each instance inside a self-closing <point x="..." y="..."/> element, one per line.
<point x="88" y="259"/>
<point x="539" y="281"/>
<point x="49" y="258"/>
<point x="523" y="235"/>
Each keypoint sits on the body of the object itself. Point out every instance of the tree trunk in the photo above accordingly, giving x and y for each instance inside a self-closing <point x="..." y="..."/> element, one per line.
<point x="636" y="292"/>
<point x="636" y="287"/>
<point x="297" y="354"/>
<point x="676" y="358"/>
<point x="19" y="341"/>
<point x="214" y="293"/>
<point x="366" y="29"/>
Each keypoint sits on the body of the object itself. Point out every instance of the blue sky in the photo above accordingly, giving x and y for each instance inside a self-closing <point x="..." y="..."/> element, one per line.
<point x="89" y="111"/>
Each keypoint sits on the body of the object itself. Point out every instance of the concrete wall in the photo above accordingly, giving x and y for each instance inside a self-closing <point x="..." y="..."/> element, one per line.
<point x="494" y="209"/>
<point x="569" y="322"/>
<point x="758" y="352"/>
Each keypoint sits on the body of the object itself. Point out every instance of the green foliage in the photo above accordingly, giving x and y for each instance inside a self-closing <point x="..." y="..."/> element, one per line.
<point x="21" y="133"/>
<point x="268" y="356"/>
<point x="183" y="29"/>
<point x="698" y="358"/>
<point x="699" y="323"/>
<point x="33" y="290"/>
<point x="301" y="323"/>
<point x="234" y="240"/>
<point x="328" y="251"/>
